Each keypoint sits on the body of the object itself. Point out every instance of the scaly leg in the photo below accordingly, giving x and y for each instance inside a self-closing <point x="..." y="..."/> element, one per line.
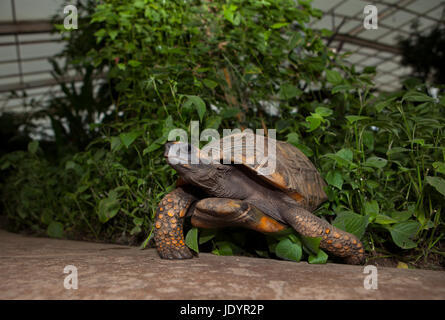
<point x="168" y="234"/>
<point x="334" y="240"/>
<point x="222" y="212"/>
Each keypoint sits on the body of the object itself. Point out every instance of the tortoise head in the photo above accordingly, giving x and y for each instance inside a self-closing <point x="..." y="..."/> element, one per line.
<point x="194" y="167"/>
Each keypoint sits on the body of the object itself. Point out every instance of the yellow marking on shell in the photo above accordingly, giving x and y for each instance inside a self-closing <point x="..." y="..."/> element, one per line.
<point x="161" y="209"/>
<point x="359" y="245"/>
<point x="161" y="216"/>
<point x="329" y="241"/>
<point x="182" y="213"/>
<point x="278" y="179"/>
<point x="174" y="241"/>
<point x="170" y="213"/>
<point x="158" y="225"/>
<point x="346" y="238"/>
<point x="173" y="226"/>
<point x="338" y="245"/>
<point x="354" y="241"/>
<point x="361" y="250"/>
<point x="296" y="196"/>
<point x="170" y="200"/>
<point x="336" y="235"/>
<point x="327" y="231"/>
<point x="173" y="220"/>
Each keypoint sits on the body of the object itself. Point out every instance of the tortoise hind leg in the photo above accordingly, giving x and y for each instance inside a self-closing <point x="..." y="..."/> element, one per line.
<point x="168" y="234"/>
<point x="334" y="240"/>
<point x="221" y="212"/>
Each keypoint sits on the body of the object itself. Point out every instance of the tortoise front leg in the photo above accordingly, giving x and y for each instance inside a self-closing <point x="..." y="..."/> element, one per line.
<point x="168" y="234"/>
<point x="222" y="212"/>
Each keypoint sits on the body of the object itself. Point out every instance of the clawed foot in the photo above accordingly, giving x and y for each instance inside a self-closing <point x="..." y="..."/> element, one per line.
<point x="175" y="253"/>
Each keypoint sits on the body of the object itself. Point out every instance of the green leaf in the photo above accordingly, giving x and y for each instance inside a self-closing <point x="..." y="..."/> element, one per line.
<point x="33" y="146"/>
<point x="372" y="208"/>
<point x="5" y="165"/>
<point x="191" y="239"/>
<point x="384" y="219"/>
<point x="113" y="34"/>
<point x="352" y="223"/>
<point x="279" y="25"/>
<point x="333" y="77"/>
<point x="368" y="140"/>
<point x="341" y="88"/>
<point x="225" y="248"/>
<point x="288" y="250"/>
<point x="400" y="216"/>
<point x="375" y="162"/>
<point x="293" y="138"/>
<point x="320" y="258"/>
<point x="295" y="40"/>
<point x="438" y="183"/>
<point x="134" y="63"/>
<point x="213" y="122"/>
<point x="396" y="150"/>
<point x="334" y="178"/>
<point x="305" y="149"/>
<point x="129" y="137"/>
<point x="210" y="83"/>
<point x="383" y="104"/>
<point x="229" y="112"/>
<point x="198" y="103"/>
<point x="403" y="232"/>
<point x="416" y="96"/>
<point x="116" y="144"/>
<point x="345" y="154"/>
<point x="288" y="91"/>
<point x="418" y="141"/>
<point x="207" y="235"/>
<point x="311" y="244"/>
<point x="323" y="111"/>
<point x="55" y="230"/>
<point x="152" y="147"/>
<point x="108" y="207"/>
<point x="314" y="123"/>
<point x="352" y="119"/>
<point x="439" y="167"/>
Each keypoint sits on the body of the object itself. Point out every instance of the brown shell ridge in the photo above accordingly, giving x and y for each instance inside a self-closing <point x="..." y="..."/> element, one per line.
<point x="294" y="173"/>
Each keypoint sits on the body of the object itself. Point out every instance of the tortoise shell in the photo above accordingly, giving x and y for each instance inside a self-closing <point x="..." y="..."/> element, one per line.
<point x="293" y="172"/>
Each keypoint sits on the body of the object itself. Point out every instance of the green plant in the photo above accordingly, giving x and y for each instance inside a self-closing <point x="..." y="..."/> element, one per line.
<point x="246" y="64"/>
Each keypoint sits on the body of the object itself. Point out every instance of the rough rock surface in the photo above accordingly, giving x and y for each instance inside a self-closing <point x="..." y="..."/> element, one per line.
<point x="33" y="268"/>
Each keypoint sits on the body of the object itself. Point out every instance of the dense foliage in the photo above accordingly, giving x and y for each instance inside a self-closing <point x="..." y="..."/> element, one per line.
<point x="231" y="64"/>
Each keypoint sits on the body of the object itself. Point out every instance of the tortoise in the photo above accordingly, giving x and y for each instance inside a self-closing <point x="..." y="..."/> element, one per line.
<point x="216" y="194"/>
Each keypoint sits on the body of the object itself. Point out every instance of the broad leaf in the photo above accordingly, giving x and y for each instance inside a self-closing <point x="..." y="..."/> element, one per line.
<point x="403" y="232"/>
<point x="352" y="223"/>
<point x="191" y="239"/>
<point x="288" y="250"/>
<point x="438" y="183"/>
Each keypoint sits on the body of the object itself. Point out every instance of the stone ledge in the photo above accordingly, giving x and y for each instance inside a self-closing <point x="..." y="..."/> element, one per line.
<point x="32" y="268"/>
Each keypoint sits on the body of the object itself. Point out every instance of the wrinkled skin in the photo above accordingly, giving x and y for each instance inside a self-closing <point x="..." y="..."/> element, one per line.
<point x="234" y="197"/>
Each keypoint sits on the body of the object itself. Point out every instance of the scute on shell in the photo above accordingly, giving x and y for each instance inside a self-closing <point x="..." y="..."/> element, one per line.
<point x="293" y="173"/>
